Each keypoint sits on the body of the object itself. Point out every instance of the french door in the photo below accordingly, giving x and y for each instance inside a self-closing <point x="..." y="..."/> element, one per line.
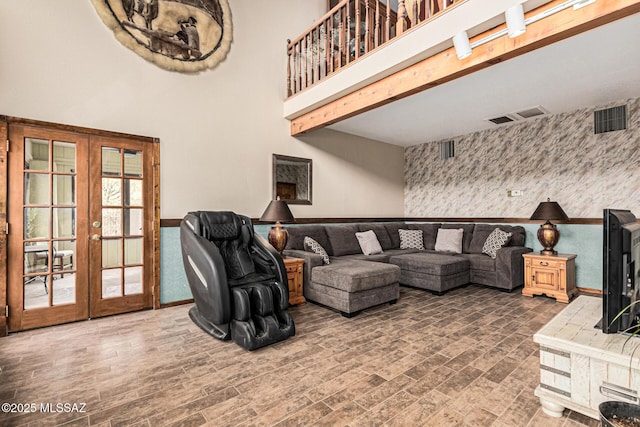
<point x="121" y="232"/>
<point x="81" y="226"/>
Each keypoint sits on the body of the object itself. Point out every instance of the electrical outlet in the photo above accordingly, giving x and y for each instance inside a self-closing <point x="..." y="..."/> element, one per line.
<point x="514" y="193"/>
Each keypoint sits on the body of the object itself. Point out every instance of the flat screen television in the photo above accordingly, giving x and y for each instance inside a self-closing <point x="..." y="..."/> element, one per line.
<point x="621" y="271"/>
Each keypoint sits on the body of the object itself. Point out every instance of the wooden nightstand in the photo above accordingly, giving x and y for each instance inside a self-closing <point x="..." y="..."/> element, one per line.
<point x="294" y="274"/>
<point x="552" y="275"/>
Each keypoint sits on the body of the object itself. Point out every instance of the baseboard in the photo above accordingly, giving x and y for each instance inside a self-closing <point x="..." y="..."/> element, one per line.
<point x="175" y="303"/>
<point x="590" y="291"/>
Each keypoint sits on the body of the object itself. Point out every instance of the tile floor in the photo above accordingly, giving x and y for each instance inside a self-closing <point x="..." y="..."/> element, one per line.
<point x="462" y="359"/>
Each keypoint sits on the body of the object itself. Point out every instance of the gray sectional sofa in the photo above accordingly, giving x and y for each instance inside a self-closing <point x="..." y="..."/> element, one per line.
<point x="353" y="281"/>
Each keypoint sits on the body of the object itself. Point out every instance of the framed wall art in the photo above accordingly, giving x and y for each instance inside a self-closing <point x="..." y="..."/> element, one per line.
<point x="178" y="35"/>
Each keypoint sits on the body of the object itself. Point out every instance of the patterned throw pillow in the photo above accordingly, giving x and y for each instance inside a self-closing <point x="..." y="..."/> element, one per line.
<point x="311" y="245"/>
<point x="411" y="239"/>
<point x="449" y="240"/>
<point x="369" y="242"/>
<point x="495" y="241"/>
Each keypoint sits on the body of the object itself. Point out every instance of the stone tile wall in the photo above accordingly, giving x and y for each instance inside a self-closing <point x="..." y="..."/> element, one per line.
<point x="556" y="156"/>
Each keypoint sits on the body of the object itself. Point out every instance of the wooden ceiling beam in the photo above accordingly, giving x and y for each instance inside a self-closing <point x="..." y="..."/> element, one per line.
<point x="445" y="66"/>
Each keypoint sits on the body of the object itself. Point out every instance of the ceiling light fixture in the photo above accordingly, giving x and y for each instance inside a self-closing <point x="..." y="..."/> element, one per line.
<point x="515" y="21"/>
<point x="462" y="45"/>
<point x="465" y="48"/>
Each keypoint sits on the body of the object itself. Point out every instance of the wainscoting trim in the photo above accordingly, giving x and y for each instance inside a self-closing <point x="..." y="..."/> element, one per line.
<point x="172" y="222"/>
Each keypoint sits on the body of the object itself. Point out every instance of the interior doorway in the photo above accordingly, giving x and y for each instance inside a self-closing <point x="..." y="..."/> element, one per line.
<point x="83" y="224"/>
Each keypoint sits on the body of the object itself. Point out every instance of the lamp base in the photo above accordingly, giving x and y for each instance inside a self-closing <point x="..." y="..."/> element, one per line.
<point x="548" y="236"/>
<point x="278" y="237"/>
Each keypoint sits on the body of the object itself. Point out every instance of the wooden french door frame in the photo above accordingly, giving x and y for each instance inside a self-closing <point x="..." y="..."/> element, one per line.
<point x="17" y="243"/>
<point x="100" y="306"/>
<point x="154" y="268"/>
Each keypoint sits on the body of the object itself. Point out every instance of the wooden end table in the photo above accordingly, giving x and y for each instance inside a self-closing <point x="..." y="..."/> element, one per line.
<point x="551" y="275"/>
<point x="294" y="275"/>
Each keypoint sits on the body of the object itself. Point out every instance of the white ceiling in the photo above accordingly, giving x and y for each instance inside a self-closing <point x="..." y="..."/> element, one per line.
<point x="590" y="69"/>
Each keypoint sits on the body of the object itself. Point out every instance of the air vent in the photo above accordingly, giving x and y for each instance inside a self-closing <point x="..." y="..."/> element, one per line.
<point x="447" y="150"/>
<point x="610" y="119"/>
<point x="532" y="112"/>
<point x="500" y="120"/>
<point x="520" y="115"/>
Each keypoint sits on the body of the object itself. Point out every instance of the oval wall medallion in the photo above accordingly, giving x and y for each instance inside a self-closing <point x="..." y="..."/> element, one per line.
<point x="178" y="35"/>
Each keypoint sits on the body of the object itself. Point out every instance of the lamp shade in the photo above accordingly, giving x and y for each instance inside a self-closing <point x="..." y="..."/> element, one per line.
<point x="278" y="210"/>
<point x="549" y="210"/>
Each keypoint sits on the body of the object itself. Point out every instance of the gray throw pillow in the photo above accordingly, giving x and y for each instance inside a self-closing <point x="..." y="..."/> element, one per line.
<point x="449" y="240"/>
<point x="369" y="242"/>
<point x="411" y="239"/>
<point x="495" y="241"/>
<point x="311" y="245"/>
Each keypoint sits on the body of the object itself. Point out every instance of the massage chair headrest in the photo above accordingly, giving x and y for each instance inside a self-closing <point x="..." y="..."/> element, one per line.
<point x="216" y="226"/>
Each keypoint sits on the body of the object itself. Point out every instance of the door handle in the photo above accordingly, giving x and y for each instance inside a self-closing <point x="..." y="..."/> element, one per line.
<point x="95" y="237"/>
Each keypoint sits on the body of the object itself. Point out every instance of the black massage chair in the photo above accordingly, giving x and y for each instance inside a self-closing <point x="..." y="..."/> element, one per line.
<point x="238" y="280"/>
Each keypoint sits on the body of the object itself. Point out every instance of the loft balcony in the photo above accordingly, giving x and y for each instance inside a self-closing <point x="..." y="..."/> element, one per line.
<point x="364" y="54"/>
<point x="340" y="47"/>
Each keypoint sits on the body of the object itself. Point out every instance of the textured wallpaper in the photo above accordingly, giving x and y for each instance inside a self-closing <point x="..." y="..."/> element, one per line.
<point x="556" y="156"/>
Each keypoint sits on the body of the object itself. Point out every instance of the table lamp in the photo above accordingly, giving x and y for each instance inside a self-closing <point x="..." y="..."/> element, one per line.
<point x="548" y="234"/>
<point x="278" y="211"/>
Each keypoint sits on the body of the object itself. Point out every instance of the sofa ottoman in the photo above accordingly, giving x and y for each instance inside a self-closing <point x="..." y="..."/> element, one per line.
<point x="432" y="271"/>
<point x="350" y="286"/>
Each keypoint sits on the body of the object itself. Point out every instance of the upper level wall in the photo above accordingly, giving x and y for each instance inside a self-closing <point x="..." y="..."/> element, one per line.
<point x="556" y="156"/>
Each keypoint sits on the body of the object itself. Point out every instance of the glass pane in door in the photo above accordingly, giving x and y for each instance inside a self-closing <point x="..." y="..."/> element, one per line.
<point x="112" y="283"/>
<point x="36" y="294"/>
<point x="111" y="222"/>
<point x="36" y="223"/>
<point x="64" y="189"/>
<point x="132" y="163"/>
<point x="132" y="251"/>
<point x="63" y="272"/>
<point x="111" y="162"/>
<point x="64" y="157"/>
<point x="111" y="191"/>
<point x="111" y="253"/>
<point x="36" y="154"/>
<point x="64" y="220"/>
<point x="63" y="257"/>
<point x="133" y="222"/>
<point x="36" y="188"/>
<point x="133" y="280"/>
<point x="133" y="192"/>
<point x="36" y="257"/>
